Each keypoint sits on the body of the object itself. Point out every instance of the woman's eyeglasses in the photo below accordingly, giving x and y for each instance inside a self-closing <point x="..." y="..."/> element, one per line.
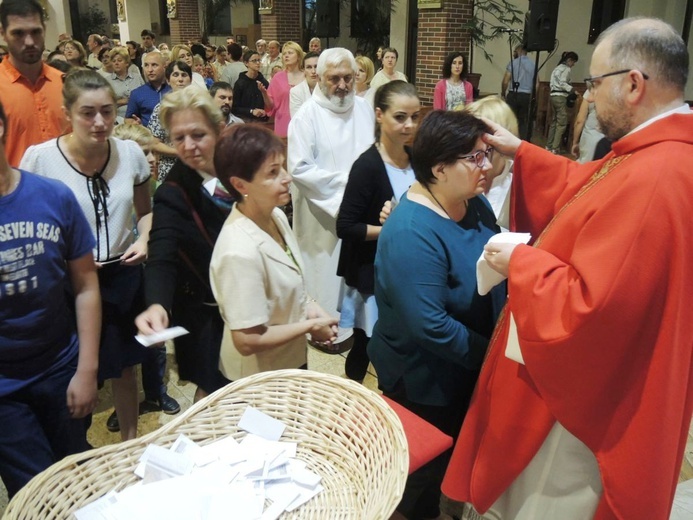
<point x="479" y="157"/>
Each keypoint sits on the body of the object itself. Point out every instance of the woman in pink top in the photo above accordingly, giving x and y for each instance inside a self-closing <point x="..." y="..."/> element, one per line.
<point x="453" y="92"/>
<point x="282" y="81"/>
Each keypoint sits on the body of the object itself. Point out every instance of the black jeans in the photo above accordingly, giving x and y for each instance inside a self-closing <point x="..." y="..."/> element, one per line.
<point x="36" y="429"/>
<point x="519" y="102"/>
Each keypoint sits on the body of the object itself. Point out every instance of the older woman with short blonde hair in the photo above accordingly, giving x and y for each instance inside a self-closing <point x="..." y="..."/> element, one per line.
<point x="499" y="178"/>
<point x="281" y="84"/>
<point x="74" y="53"/>
<point x="123" y="80"/>
<point x="187" y="218"/>
<point x="364" y="75"/>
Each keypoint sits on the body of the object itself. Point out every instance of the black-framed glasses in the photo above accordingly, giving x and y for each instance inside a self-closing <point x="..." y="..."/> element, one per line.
<point x="590" y="81"/>
<point x="480" y="157"/>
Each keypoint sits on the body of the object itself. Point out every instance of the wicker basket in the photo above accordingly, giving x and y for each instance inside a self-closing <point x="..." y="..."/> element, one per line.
<point x="345" y="432"/>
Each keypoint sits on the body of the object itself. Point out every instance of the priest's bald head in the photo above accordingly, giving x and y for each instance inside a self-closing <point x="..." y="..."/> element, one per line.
<point x="639" y="70"/>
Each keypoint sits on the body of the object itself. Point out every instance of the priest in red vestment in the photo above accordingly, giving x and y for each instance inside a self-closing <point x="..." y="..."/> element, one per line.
<point x="584" y="402"/>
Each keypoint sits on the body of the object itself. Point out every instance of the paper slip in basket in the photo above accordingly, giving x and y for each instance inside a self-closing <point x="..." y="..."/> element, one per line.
<point x="261" y="424"/>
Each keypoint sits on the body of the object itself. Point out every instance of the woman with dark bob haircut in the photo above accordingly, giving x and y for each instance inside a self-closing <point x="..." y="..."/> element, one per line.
<point x="433" y="327"/>
<point x="453" y="92"/>
<point x="256" y="269"/>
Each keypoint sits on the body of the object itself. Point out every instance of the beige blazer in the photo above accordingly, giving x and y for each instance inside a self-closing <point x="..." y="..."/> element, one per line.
<point x="255" y="282"/>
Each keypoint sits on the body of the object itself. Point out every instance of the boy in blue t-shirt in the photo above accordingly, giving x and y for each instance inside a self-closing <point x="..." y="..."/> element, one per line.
<point x="47" y="279"/>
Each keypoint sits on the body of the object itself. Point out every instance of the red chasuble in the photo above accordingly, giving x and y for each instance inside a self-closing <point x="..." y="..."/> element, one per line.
<point x="603" y="304"/>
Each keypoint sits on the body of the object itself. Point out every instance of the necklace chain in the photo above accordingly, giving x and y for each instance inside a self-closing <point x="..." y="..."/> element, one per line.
<point x="466" y="203"/>
<point x="438" y="202"/>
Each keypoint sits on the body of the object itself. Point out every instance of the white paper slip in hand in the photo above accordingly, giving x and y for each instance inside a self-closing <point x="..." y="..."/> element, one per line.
<point x="161" y="336"/>
<point x="486" y="277"/>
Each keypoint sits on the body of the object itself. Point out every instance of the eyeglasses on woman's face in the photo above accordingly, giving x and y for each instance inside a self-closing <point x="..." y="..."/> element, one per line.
<point x="479" y="157"/>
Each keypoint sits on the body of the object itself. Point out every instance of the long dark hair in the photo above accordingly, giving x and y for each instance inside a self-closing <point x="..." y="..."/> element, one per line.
<point x="447" y="65"/>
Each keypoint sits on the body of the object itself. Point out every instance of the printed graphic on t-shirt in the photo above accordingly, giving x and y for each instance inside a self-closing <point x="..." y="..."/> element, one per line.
<point x="18" y="273"/>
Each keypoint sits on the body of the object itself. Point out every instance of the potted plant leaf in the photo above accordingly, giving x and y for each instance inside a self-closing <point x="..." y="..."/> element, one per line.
<point x="491" y="19"/>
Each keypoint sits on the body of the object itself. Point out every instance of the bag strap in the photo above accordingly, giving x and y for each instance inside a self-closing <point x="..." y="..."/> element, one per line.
<point x="195" y="214"/>
<point x="198" y="221"/>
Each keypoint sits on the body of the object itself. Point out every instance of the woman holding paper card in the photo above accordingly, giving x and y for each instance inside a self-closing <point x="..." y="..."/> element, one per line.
<point x="256" y="269"/>
<point x="433" y="327"/>
<point x="189" y="210"/>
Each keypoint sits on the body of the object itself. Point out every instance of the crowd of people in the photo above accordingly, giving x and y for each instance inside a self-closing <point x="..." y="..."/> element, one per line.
<point x="136" y="194"/>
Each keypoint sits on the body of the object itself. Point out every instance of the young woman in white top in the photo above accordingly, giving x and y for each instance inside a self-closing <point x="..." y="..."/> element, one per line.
<point x="304" y="90"/>
<point x="381" y="174"/>
<point x="364" y="76"/>
<point x="110" y="179"/>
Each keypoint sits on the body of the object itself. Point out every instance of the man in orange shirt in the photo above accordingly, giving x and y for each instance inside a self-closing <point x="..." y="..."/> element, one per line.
<point x="30" y="90"/>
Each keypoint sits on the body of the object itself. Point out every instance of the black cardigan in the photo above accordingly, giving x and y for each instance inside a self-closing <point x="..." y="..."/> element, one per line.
<point x="247" y="96"/>
<point x="168" y="277"/>
<point x="367" y="189"/>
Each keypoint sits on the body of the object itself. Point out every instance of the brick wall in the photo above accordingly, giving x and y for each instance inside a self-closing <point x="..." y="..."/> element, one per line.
<point x="440" y="32"/>
<point x="284" y="23"/>
<point x="186" y="26"/>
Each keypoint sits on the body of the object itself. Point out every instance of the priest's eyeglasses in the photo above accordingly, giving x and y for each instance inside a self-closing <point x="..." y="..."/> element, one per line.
<point x="480" y="157"/>
<point x="590" y="82"/>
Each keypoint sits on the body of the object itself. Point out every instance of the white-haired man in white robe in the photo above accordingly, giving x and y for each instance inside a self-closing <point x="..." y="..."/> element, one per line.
<point x="325" y="137"/>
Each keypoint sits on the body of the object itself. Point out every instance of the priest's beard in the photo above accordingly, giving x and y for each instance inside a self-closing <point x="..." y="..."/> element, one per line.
<point x="613" y="117"/>
<point x="339" y="102"/>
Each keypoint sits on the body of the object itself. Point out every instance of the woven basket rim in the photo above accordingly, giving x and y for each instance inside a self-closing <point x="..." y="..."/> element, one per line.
<point x="347" y="451"/>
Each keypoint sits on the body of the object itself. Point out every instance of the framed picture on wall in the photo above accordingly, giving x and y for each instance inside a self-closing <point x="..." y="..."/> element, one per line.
<point x="120" y="8"/>
<point x="266" y="6"/>
<point x="171" y="8"/>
